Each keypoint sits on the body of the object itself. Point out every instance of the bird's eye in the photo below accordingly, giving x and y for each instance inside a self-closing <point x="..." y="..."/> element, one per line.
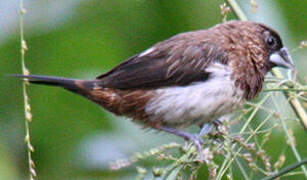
<point x="271" y="41"/>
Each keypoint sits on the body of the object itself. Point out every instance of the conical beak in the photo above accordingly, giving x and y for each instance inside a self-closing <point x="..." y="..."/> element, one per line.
<point x="282" y="58"/>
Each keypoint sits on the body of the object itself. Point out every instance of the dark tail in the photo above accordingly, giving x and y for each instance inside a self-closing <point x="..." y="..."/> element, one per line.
<point x="66" y="83"/>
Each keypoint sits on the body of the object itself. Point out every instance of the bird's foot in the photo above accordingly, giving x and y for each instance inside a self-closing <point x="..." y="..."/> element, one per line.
<point x="198" y="142"/>
<point x="195" y="138"/>
<point x="207" y="128"/>
<point x="217" y="122"/>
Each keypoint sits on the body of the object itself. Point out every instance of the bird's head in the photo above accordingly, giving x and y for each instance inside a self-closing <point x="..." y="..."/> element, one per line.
<point x="278" y="54"/>
<point x="253" y="50"/>
<point x="253" y="43"/>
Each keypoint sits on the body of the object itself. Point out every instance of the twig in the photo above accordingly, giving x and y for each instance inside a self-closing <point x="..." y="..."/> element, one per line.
<point x="286" y="170"/>
<point x="285" y="90"/>
<point x="291" y="141"/>
<point x="229" y="159"/>
<point x="241" y="169"/>
<point x="294" y="102"/>
<point x="27" y="107"/>
<point x="236" y="8"/>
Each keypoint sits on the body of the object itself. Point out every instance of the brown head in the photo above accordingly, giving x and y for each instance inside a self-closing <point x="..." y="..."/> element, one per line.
<point x="253" y="50"/>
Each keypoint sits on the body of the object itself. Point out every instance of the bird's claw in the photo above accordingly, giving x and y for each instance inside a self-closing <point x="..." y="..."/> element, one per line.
<point x="195" y="138"/>
<point x="198" y="142"/>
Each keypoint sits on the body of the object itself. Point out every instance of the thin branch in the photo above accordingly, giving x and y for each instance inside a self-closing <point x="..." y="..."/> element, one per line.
<point x="238" y="11"/>
<point x="286" y="170"/>
<point x="229" y="159"/>
<point x="27" y="107"/>
<point x="291" y="141"/>
<point x="294" y="102"/>
<point x="285" y="90"/>
<point x="241" y="169"/>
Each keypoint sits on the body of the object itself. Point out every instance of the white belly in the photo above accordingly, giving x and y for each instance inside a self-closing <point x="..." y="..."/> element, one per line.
<point x="198" y="103"/>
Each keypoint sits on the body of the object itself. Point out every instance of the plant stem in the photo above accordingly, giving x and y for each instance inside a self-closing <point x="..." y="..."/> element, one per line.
<point x="27" y="107"/>
<point x="294" y="102"/>
<point x="286" y="170"/>
<point x="285" y="90"/>
<point x="237" y="9"/>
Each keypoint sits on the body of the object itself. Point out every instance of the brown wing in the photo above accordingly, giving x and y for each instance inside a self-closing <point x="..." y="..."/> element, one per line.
<point x="178" y="61"/>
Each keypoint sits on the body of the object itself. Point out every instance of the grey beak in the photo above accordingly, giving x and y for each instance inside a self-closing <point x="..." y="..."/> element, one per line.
<point x="282" y="58"/>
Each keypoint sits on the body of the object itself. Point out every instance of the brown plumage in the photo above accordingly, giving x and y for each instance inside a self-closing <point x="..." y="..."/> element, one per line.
<point x="191" y="78"/>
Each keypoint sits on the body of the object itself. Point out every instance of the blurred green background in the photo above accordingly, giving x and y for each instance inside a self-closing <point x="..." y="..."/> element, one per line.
<point x="74" y="138"/>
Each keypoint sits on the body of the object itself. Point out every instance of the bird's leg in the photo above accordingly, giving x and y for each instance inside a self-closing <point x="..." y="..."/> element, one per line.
<point x="218" y="122"/>
<point x="208" y="127"/>
<point x="196" y="139"/>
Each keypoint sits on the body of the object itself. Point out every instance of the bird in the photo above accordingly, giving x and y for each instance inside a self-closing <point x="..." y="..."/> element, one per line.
<point x="192" y="78"/>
